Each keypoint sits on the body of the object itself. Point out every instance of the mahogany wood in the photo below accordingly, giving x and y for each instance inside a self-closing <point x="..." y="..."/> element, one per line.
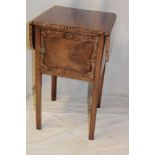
<point x="67" y="54"/>
<point x="96" y="87"/>
<point x="72" y="43"/>
<point x="86" y="20"/>
<point x="38" y="78"/>
<point x="75" y="54"/>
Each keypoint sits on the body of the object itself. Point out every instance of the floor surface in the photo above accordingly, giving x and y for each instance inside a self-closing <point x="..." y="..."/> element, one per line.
<point x="65" y="127"/>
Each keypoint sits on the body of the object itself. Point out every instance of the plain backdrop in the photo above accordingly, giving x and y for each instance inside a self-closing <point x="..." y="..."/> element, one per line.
<point x="117" y="71"/>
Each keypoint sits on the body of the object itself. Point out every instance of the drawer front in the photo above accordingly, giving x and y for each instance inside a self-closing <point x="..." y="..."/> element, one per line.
<point x="68" y="54"/>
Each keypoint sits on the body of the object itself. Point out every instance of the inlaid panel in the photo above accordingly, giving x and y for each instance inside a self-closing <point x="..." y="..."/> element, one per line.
<point x="68" y="54"/>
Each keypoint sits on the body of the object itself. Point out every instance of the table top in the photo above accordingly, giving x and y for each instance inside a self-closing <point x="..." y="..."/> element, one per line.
<point x="99" y="22"/>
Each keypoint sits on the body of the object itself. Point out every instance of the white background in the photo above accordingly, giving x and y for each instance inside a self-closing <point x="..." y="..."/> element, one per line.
<point x="116" y="79"/>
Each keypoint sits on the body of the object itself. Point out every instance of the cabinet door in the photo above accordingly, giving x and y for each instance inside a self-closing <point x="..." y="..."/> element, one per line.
<point x="69" y="52"/>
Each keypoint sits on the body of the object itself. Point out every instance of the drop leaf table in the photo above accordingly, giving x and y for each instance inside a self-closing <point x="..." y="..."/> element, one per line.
<point x="71" y="43"/>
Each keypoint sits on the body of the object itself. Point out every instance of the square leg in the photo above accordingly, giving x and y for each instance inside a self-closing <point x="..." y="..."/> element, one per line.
<point x="38" y="78"/>
<point x="93" y="111"/>
<point x="53" y="87"/>
<point x="38" y="100"/>
<point x="96" y="88"/>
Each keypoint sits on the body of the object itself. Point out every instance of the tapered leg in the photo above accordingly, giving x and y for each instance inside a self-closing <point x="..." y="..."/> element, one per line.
<point x="38" y="78"/>
<point x="54" y="88"/>
<point x="38" y="100"/>
<point x="93" y="111"/>
<point x="101" y="87"/>
<point x="95" y="91"/>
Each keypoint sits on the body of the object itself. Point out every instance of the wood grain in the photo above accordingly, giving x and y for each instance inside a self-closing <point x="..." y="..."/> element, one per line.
<point x="72" y="43"/>
<point x="38" y="78"/>
<point x="77" y="20"/>
<point x="96" y="87"/>
<point x="68" y="55"/>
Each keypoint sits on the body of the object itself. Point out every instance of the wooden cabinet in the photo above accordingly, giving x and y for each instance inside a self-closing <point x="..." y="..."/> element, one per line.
<point x="71" y="43"/>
